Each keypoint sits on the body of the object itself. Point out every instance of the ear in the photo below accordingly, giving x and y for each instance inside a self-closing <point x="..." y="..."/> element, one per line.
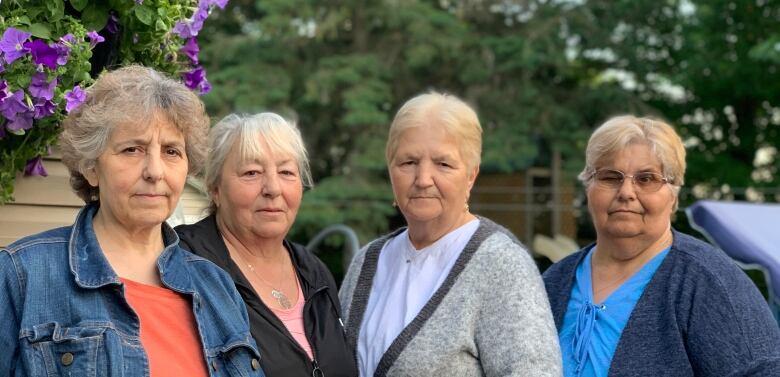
<point x="92" y="176"/>
<point x="215" y="196"/>
<point x="473" y="176"/>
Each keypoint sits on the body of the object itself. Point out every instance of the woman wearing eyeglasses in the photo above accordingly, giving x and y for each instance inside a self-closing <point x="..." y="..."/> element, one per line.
<point x="646" y="300"/>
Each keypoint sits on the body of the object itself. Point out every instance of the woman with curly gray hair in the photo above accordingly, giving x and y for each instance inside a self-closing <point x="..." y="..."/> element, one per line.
<point x="114" y="294"/>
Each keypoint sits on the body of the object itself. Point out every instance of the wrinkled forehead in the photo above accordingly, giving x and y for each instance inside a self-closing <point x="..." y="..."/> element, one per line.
<point x="262" y="149"/>
<point x="145" y="126"/>
<point x="640" y="154"/>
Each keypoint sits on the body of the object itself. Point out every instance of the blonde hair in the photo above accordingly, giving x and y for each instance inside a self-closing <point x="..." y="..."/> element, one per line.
<point x="621" y="131"/>
<point x="448" y="111"/>
<point x="132" y="96"/>
<point x="245" y="133"/>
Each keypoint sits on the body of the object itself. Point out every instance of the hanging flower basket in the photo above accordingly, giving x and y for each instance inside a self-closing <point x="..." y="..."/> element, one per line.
<point x="50" y="51"/>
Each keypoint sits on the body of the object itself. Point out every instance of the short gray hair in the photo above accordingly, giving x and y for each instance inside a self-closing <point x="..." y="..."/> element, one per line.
<point x="129" y="96"/>
<point x="457" y="117"/>
<point x="621" y="131"/>
<point x="245" y="132"/>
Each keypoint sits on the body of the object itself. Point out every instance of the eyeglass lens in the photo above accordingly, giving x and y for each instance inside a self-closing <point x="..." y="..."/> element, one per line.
<point x="645" y="181"/>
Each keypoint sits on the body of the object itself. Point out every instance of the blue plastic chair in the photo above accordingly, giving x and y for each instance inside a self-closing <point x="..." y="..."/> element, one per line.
<point x="749" y="233"/>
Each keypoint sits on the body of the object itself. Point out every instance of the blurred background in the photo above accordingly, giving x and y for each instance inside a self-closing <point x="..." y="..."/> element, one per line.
<point x="541" y="74"/>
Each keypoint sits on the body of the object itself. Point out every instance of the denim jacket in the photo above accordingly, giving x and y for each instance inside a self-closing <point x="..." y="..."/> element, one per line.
<point x="63" y="311"/>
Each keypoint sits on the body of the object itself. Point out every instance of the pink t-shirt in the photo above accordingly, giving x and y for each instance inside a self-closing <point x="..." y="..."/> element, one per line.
<point x="293" y="321"/>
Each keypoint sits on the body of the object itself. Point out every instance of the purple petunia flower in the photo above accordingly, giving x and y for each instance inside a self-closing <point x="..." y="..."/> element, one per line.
<point x="94" y="38"/>
<point x="43" y="108"/>
<point x="206" y="3"/>
<point x="35" y="167"/>
<point x="184" y="29"/>
<point x="68" y="39"/>
<point x="139" y="2"/>
<point x="194" y="77"/>
<point x="191" y="49"/>
<point x="40" y="87"/>
<point x="12" y="44"/>
<point x="3" y="90"/>
<point x="196" y="80"/>
<point x="20" y="122"/>
<point x="63" y="53"/>
<point x="191" y="28"/>
<point x="205" y="87"/>
<point x="12" y="104"/>
<point x="42" y="53"/>
<point x="113" y="24"/>
<point x="74" y="98"/>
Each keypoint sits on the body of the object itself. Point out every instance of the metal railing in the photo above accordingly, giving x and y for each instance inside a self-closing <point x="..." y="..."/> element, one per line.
<point x="351" y="243"/>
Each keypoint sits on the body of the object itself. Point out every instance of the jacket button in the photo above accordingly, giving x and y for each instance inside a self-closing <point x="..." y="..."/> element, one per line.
<point x="255" y="364"/>
<point x="214" y="365"/>
<point x="67" y="358"/>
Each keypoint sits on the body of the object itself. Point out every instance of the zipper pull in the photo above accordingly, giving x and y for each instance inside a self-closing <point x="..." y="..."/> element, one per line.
<point x="316" y="372"/>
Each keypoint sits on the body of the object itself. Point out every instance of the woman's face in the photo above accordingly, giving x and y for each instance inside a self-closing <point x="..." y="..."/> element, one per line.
<point x="261" y="197"/>
<point x="625" y="212"/>
<point x="431" y="182"/>
<point x="141" y="173"/>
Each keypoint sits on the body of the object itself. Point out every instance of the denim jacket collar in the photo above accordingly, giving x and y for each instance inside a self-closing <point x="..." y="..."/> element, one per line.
<point x="91" y="269"/>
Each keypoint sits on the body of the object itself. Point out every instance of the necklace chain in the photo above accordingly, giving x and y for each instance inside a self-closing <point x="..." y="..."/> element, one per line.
<point x="280" y="297"/>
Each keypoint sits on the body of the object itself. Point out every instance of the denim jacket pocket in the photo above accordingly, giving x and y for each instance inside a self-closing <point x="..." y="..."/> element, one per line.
<point x="238" y="359"/>
<point x="50" y="349"/>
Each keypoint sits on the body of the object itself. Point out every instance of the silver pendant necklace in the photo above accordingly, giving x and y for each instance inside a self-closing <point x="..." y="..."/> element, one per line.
<point x="280" y="297"/>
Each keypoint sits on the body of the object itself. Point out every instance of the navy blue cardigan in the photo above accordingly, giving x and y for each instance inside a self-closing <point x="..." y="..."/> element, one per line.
<point x="700" y="315"/>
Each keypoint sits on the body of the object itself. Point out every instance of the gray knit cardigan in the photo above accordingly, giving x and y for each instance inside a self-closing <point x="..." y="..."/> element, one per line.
<point x="490" y="317"/>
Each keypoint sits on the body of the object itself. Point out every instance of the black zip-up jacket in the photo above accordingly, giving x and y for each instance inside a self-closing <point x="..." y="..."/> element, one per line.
<point x="281" y="355"/>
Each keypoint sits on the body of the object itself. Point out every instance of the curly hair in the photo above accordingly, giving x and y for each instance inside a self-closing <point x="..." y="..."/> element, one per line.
<point x="128" y="96"/>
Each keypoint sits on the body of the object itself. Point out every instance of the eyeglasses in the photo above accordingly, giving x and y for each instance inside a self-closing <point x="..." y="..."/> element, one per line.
<point x="645" y="181"/>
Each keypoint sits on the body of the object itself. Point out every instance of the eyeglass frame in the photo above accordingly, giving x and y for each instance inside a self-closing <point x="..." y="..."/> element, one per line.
<point x="664" y="180"/>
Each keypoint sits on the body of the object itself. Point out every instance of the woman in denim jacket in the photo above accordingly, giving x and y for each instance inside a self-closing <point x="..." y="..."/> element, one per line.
<point x="114" y="294"/>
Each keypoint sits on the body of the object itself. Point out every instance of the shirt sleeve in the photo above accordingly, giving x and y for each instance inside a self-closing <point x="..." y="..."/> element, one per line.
<point x="730" y="330"/>
<point x="515" y="333"/>
<point x="9" y="313"/>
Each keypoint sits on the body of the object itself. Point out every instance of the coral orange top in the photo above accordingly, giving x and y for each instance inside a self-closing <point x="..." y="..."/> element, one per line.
<point x="168" y="330"/>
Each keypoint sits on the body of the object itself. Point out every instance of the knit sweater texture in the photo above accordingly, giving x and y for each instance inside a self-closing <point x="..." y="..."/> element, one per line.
<point x="699" y="315"/>
<point x="490" y="316"/>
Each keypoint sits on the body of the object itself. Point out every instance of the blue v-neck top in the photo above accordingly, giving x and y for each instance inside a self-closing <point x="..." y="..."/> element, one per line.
<point x="591" y="331"/>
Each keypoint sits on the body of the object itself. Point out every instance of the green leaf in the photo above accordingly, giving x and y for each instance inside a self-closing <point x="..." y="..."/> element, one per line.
<point x="79" y="5"/>
<point x="24" y="20"/>
<point x="160" y="25"/>
<point x="56" y="9"/>
<point x="163" y="12"/>
<point x="144" y="14"/>
<point x="40" y="30"/>
<point x="95" y="17"/>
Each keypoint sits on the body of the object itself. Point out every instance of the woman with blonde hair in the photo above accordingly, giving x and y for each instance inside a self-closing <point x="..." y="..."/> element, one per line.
<point x="451" y="294"/>
<point x="644" y="299"/>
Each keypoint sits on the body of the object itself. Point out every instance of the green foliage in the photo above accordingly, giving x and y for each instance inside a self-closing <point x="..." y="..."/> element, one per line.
<point x="724" y="61"/>
<point x="341" y="69"/>
<point x="540" y="73"/>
